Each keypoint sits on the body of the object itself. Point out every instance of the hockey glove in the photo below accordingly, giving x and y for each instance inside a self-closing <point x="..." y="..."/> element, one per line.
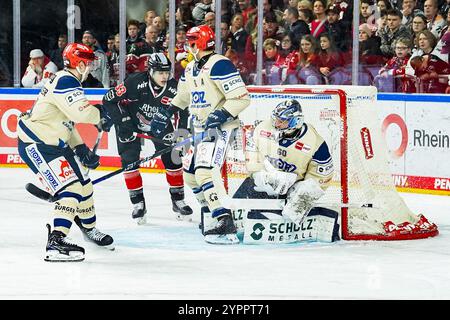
<point x="125" y="130"/>
<point x="161" y="120"/>
<point x="88" y="158"/>
<point x="105" y="119"/>
<point x="217" y="118"/>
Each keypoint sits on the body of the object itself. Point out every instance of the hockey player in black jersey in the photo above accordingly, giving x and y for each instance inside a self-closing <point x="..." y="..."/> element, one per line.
<point x="132" y="105"/>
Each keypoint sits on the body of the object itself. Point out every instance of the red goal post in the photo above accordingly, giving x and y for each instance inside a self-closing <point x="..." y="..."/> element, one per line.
<point x="346" y="117"/>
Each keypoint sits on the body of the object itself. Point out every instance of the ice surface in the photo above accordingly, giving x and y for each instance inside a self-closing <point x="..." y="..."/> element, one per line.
<point x="168" y="259"/>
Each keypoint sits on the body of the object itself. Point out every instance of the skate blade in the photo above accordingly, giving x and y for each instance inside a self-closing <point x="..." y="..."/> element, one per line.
<point x="56" y="256"/>
<point x="142" y="220"/>
<point x="222" y="239"/>
<point x="183" y="217"/>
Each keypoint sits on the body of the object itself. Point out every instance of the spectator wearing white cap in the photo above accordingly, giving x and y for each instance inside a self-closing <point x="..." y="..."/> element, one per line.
<point x="39" y="69"/>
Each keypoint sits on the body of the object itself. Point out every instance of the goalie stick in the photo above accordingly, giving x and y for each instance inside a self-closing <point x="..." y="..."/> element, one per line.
<point x="44" y="195"/>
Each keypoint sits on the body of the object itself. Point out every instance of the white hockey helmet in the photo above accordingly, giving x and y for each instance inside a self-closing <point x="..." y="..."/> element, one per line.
<point x="287" y="117"/>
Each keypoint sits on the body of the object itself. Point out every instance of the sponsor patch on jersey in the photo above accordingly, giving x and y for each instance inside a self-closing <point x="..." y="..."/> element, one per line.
<point x="265" y="134"/>
<point x="74" y="96"/>
<point x="232" y="84"/>
<point x="61" y="167"/>
<point x="325" y="169"/>
<point x="302" y="147"/>
<point x="367" y="142"/>
<point x="166" y="100"/>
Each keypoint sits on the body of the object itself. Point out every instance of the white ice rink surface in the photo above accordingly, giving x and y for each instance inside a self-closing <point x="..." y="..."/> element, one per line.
<point x="168" y="259"/>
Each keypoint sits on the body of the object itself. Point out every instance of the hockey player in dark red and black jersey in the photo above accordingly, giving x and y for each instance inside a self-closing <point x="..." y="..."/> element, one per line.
<point x="132" y="105"/>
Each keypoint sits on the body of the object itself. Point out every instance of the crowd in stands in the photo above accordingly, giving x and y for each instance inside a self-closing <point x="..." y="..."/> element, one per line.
<point x="404" y="45"/>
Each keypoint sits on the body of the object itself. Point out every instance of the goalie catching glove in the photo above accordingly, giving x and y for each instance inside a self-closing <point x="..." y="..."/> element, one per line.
<point x="272" y="181"/>
<point x="300" y="200"/>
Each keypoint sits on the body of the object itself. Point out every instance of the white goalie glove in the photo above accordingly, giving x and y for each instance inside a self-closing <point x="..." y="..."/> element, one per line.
<point x="300" y="200"/>
<point x="272" y="181"/>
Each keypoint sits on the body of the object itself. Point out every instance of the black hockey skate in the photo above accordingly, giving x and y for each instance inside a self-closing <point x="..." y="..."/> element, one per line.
<point x="59" y="249"/>
<point x="203" y="211"/>
<point x="183" y="211"/>
<point x="94" y="235"/>
<point x="224" y="232"/>
<point x="139" y="212"/>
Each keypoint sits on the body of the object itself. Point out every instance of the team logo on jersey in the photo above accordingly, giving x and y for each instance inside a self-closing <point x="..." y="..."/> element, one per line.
<point x="166" y="100"/>
<point x="302" y="147"/>
<point x="367" y="142"/>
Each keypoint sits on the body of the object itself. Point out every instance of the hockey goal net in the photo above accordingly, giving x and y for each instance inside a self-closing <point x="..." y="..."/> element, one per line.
<point x="362" y="189"/>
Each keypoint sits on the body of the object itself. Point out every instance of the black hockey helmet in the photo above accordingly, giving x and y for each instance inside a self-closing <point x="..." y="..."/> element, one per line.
<point x="158" y="62"/>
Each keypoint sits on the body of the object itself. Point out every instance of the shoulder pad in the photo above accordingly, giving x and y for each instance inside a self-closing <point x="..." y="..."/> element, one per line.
<point x="223" y="69"/>
<point x="67" y="82"/>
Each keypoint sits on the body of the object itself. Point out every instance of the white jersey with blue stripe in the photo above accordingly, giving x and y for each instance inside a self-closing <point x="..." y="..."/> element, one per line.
<point x="217" y="84"/>
<point x="60" y="104"/>
<point x="306" y="154"/>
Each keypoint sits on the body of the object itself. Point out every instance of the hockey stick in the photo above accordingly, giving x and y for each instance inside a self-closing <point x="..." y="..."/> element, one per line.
<point x="144" y="136"/>
<point x="44" y="195"/>
<point x="97" y="141"/>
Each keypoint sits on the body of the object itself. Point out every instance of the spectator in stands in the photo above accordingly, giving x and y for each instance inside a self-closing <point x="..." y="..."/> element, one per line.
<point x="435" y="21"/>
<point x="409" y="11"/>
<point x="56" y="54"/>
<point x="148" y="21"/>
<point x="418" y="24"/>
<point x="39" y="69"/>
<point x="318" y="24"/>
<point x="307" y="73"/>
<point x="225" y="37"/>
<point x="252" y="24"/>
<point x="337" y="29"/>
<point x="200" y="10"/>
<point x="134" y="40"/>
<point x="393" y="31"/>
<point x="247" y="9"/>
<point x="239" y="64"/>
<point x="329" y="61"/>
<point x="365" y="11"/>
<point x="109" y="44"/>
<point x="425" y="41"/>
<point x="384" y="5"/>
<point x="288" y="60"/>
<point x="113" y="61"/>
<point x="381" y="22"/>
<point x="445" y="8"/>
<point x="392" y="76"/>
<point x="369" y="47"/>
<point x="297" y="28"/>
<point x="183" y="16"/>
<point x="238" y="34"/>
<point x="271" y="27"/>
<point x="306" y="15"/>
<point x="210" y="20"/>
<point x="432" y="72"/>
<point x="181" y="51"/>
<point x="271" y="58"/>
<point x="100" y="67"/>
<point x="160" y="24"/>
<point x="304" y="4"/>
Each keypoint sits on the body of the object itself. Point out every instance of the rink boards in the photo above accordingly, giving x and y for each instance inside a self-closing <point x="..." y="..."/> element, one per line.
<point x="416" y="128"/>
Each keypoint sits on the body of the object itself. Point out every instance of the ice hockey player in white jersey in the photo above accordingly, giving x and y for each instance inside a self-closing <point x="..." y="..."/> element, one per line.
<point x="287" y="158"/>
<point x="51" y="146"/>
<point x="215" y="93"/>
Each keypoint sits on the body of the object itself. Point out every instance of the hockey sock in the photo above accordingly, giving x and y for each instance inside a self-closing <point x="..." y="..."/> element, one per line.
<point x="86" y="209"/>
<point x="198" y="192"/>
<point x="175" y="177"/>
<point x="133" y="180"/>
<point x="176" y="193"/>
<point x="210" y="194"/>
<point x="64" y="213"/>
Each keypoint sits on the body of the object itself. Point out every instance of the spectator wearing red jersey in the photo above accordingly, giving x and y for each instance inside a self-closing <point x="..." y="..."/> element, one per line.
<point x="318" y="24"/>
<point x="307" y="72"/>
<point x="39" y="69"/>
<point x="432" y="72"/>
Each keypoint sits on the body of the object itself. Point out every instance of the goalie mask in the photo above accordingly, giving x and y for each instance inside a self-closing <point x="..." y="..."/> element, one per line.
<point x="159" y="68"/>
<point x="287" y="117"/>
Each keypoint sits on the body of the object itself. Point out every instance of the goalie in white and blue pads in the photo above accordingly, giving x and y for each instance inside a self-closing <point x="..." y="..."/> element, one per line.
<point x="288" y="159"/>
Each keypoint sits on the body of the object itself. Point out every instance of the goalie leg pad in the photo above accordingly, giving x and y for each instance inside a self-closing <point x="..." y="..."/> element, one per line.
<point x="270" y="227"/>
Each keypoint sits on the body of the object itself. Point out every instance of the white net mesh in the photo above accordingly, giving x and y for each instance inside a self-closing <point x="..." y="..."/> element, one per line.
<point x="369" y="178"/>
